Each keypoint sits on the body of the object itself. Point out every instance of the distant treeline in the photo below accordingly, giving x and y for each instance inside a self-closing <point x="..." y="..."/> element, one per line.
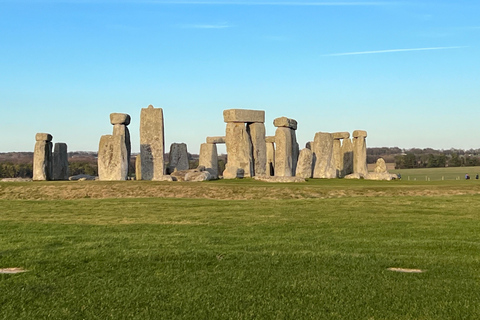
<point x="20" y="164"/>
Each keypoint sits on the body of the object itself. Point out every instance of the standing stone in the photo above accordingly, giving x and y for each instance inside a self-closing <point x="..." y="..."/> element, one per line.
<point x="270" y="158"/>
<point x="152" y="143"/>
<point x="112" y="158"/>
<point x="122" y="130"/>
<point x="60" y="162"/>
<point x="209" y="159"/>
<point x="178" y="157"/>
<point x="323" y="150"/>
<point x="283" y="152"/>
<point x="239" y="151"/>
<point x="347" y="156"/>
<point x="337" y="152"/>
<point x="259" y="149"/>
<point x="380" y="166"/>
<point x="138" y="167"/>
<point x="305" y="162"/>
<point x="360" y="152"/>
<point x="295" y="152"/>
<point x="42" y="157"/>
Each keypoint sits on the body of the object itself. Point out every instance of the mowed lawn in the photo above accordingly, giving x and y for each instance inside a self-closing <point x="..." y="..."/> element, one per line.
<point x="437" y="174"/>
<point x="244" y="259"/>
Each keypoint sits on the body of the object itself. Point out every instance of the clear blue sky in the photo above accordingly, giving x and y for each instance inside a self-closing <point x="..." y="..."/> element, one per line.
<point x="408" y="72"/>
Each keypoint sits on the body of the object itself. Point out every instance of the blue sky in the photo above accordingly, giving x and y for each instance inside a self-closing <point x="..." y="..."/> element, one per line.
<point x="408" y="72"/>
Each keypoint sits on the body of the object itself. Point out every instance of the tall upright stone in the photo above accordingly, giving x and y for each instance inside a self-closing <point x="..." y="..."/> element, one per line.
<point x="323" y="150"/>
<point x="360" y="152"/>
<point x="178" y="157"/>
<point x="120" y="121"/>
<point x="152" y="143"/>
<point x="112" y="158"/>
<point x="42" y="157"/>
<point x="138" y="167"/>
<point x="60" y="162"/>
<point x="209" y="158"/>
<point x="347" y="156"/>
<point x="239" y="151"/>
<point x="287" y="150"/>
<point x="256" y="131"/>
<point x="337" y="152"/>
<point x="270" y="146"/>
<point x="305" y="164"/>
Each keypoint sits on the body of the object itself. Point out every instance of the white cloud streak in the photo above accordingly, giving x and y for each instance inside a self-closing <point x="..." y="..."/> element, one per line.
<point x="390" y="51"/>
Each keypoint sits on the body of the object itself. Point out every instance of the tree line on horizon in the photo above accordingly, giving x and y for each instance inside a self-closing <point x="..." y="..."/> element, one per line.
<point x="20" y="164"/>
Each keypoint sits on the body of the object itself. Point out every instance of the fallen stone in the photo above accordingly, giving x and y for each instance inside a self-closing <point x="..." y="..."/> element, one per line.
<point x="198" y="176"/>
<point x="305" y="163"/>
<point x="380" y="176"/>
<point x="119" y="118"/>
<point x="216" y="140"/>
<point x="165" y="178"/>
<point x="279" y="179"/>
<point x="43" y="137"/>
<point x="285" y="122"/>
<point x="243" y="115"/>
<point x="82" y="177"/>
<point x="354" y="176"/>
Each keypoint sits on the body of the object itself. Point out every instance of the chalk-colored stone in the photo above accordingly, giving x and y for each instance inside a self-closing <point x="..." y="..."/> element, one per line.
<point x="138" y="167"/>
<point x="122" y="130"/>
<point x="338" y="157"/>
<point x="244" y="115"/>
<point x="42" y="160"/>
<point x="284" y="152"/>
<point x="295" y="152"/>
<point x="60" y="162"/>
<point x="165" y="178"/>
<point x="178" y="157"/>
<point x="259" y="150"/>
<point x="112" y="158"/>
<point x="285" y="122"/>
<point x="354" y="176"/>
<point x="279" y="179"/>
<point x="209" y="158"/>
<point x="360" y="152"/>
<point x="347" y="156"/>
<point x="181" y="174"/>
<point x="270" y="139"/>
<point x="43" y="137"/>
<point x="152" y="143"/>
<point x="198" y="176"/>
<point x="216" y="140"/>
<point x="380" y="166"/>
<point x="239" y="150"/>
<point x="323" y="150"/>
<point x="341" y="135"/>
<point x="305" y="164"/>
<point x="119" y="118"/>
<point x="385" y="176"/>
<point x="233" y="173"/>
<point x="270" y="158"/>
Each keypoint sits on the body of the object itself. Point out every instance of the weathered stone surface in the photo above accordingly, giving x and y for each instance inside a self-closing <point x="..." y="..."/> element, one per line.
<point x="82" y="177"/>
<point x="380" y="166"/>
<point x="284" y="152"/>
<point x="270" y="158"/>
<point x="42" y="161"/>
<point x="308" y="145"/>
<point x="122" y="130"/>
<point x="180" y="175"/>
<point x="360" y="152"/>
<point x="60" y="162"/>
<point x="270" y="139"/>
<point x="165" y="178"/>
<point x="285" y="122"/>
<point x="259" y="149"/>
<point x="359" y="134"/>
<point x="380" y="176"/>
<point x="323" y="150"/>
<point x="178" y="158"/>
<point x="338" y="157"/>
<point x="209" y="159"/>
<point x="279" y="179"/>
<point x="354" y="176"/>
<point x="152" y="143"/>
<point x="233" y="173"/>
<point x="138" y="167"/>
<point x="239" y="150"/>
<point x="347" y="155"/>
<point x="119" y="118"/>
<point x="198" y="176"/>
<point x="43" y="137"/>
<point x="112" y="158"/>
<point x="295" y="152"/>
<point x="215" y="140"/>
<point x="305" y="164"/>
<point x="341" y="135"/>
<point x="243" y="115"/>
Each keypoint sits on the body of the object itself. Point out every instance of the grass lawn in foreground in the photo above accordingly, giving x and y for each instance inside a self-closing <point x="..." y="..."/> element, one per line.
<point x="436" y="174"/>
<point x="251" y="259"/>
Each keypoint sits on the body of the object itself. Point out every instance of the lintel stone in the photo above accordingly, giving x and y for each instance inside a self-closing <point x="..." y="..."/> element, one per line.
<point x="215" y="140"/>
<point x="119" y="118"/>
<point x="341" y="135"/>
<point x="43" y="137"/>
<point x="270" y="139"/>
<point x="285" y="122"/>
<point x="359" y="133"/>
<point x="243" y="115"/>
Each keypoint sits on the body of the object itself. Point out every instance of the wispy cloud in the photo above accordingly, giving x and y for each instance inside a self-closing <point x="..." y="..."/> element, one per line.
<point x="392" y="51"/>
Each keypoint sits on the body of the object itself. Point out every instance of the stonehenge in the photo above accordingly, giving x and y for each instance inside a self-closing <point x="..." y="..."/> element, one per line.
<point x="152" y="143"/>
<point x="286" y="147"/>
<point x="60" y="162"/>
<point x="360" y="152"/>
<point x="209" y="159"/>
<point x="324" y="162"/>
<point x="42" y="157"/>
<point x="178" y="158"/>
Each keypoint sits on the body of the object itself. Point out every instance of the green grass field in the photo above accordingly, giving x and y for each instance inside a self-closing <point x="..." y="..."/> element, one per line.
<point x="436" y="174"/>
<point x="320" y="256"/>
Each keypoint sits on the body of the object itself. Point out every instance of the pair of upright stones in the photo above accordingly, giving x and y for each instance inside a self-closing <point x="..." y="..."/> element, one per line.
<point x="245" y="142"/>
<point x="48" y="165"/>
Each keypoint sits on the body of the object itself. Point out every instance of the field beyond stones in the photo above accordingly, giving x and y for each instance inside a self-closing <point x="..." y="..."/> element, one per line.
<point x="241" y="250"/>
